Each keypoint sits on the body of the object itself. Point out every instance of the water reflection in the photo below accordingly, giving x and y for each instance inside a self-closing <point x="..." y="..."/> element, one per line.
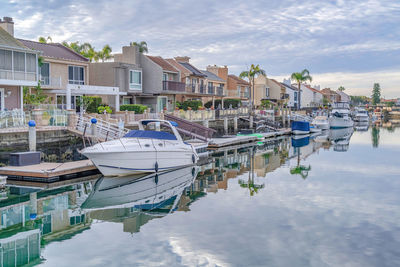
<point x="375" y="136"/>
<point x="33" y="218"/>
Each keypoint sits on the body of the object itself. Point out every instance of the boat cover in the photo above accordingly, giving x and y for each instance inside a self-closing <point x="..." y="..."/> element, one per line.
<point x="150" y="134"/>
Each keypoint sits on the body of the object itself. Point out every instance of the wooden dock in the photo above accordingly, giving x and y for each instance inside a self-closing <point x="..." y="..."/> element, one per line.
<point x="49" y="171"/>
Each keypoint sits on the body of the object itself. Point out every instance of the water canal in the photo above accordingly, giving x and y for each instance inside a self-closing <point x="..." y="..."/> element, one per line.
<point x="291" y="202"/>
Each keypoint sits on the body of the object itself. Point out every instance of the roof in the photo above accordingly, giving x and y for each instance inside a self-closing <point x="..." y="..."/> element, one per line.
<point x="238" y="80"/>
<point x="312" y="89"/>
<point x="276" y="82"/>
<point x="212" y="76"/>
<point x="178" y="66"/>
<point x="290" y="86"/>
<point x="163" y="64"/>
<point x="192" y="69"/>
<point x="54" y="50"/>
<point x="7" y="40"/>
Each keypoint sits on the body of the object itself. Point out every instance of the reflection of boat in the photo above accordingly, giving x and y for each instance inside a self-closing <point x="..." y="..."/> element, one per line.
<point x="300" y="142"/>
<point x="321" y="122"/>
<point x="361" y="126"/>
<point x="340" y="116"/>
<point x="142" y="151"/>
<point x="340" y="138"/>
<point x="139" y="191"/>
<point x="361" y="115"/>
<point x="300" y="127"/>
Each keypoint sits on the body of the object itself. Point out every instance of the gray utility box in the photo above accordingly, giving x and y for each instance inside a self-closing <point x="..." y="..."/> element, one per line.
<point x="24" y="158"/>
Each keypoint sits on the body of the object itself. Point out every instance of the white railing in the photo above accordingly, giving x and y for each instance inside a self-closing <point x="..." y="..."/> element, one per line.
<point x="17" y="75"/>
<point x="14" y="118"/>
<point x="300" y="117"/>
<point x="104" y="130"/>
<point x="54" y="82"/>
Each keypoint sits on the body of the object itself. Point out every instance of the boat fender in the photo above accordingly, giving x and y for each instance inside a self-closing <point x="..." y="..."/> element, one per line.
<point x="193" y="158"/>
<point x="156" y="167"/>
<point x="156" y="179"/>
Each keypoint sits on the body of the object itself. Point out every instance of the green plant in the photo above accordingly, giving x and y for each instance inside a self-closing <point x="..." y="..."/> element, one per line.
<point x="301" y="77"/>
<point x="235" y="103"/>
<point x="189" y="104"/>
<point x="34" y="98"/>
<point x="107" y="109"/>
<point x="142" y="46"/>
<point x="251" y="74"/>
<point x="139" y="109"/>
<point x="376" y="94"/>
<point x="91" y="103"/>
<point x="266" y="104"/>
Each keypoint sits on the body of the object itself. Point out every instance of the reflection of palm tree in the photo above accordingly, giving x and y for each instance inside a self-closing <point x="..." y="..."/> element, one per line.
<point x="253" y="188"/>
<point x="375" y="136"/>
<point x="300" y="169"/>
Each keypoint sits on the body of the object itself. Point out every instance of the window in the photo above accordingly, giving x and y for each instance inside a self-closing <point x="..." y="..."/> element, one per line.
<point x="295" y="96"/>
<point x="19" y="61"/>
<point x="135" y="80"/>
<point x="1" y="99"/>
<point x="238" y="90"/>
<point x="5" y="60"/>
<point x="30" y="62"/>
<point x="266" y="91"/>
<point x="76" y="75"/>
<point x="45" y="74"/>
<point x="165" y="77"/>
<point x="126" y="101"/>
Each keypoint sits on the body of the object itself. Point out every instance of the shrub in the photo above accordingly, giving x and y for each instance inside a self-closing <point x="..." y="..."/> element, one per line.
<point x="139" y="109"/>
<point x="91" y="103"/>
<point x="101" y="109"/>
<point x="227" y="103"/>
<point x="185" y="105"/>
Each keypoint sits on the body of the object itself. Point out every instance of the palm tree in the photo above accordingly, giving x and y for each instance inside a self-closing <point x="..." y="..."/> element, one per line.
<point x="301" y="77"/>
<point x="103" y="54"/>
<point x="74" y="46"/>
<point x="45" y="40"/>
<point x="300" y="169"/>
<point x="87" y="50"/>
<point x="341" y="88"/>
<point x="251" y="74"/>
<point x="142" y="46"/>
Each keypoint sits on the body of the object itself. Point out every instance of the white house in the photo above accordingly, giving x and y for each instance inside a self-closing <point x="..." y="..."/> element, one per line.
<point x="310" y="97"/>
<point x="343" y="96"/>
<point x="292" y="92"/>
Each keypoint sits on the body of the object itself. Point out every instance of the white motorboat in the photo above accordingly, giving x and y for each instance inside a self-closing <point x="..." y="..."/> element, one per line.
<point x="145" y="150"/>
<point x="321" y="122"/>
<point x="140" y="191"/>
<point x="361" y="115"/>
<point x="340" y="116"/>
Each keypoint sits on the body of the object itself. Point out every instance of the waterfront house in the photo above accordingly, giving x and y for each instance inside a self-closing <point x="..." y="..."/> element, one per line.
<point x="330" y="95"/>
<point x="268" y="89"/>
<point x="215" y="87"/>
<point x="18" y="67"/>
<point x="236" y="88"/>
<point x="310" y="96"/>
<point x="291" y="92"/>
<point x="343" y="96"/>
<point x="64" y="76"/>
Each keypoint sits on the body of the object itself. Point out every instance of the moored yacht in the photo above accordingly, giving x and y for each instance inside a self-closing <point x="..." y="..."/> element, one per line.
<point x="361" y="115"/>
<point x="340" y="116"/>
<point x="321" y="122"/>
<point x="145" y="150"/>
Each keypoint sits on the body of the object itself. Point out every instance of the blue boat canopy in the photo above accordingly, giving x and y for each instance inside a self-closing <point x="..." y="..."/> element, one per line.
<point x="145" y="122"/>
<point x="151" y="134"/>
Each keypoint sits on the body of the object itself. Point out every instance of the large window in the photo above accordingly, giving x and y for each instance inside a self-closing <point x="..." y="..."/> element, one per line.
<point x="19" y="61"/>
<point x="76" y="75"/>
<point x="5" y="60"/>
<point x="135" y="80"/>
<point x="267" y="92"/>
<point x="295" y="96"/>
<point x="45" y="74"/>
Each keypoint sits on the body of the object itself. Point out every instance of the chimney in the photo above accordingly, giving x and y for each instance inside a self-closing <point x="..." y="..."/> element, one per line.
<point x="182" y="59"/>
<point x="8" y="25"/>
<point x="221" y="72"/>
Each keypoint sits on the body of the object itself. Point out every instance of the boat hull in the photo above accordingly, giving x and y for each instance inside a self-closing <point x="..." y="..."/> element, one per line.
<point x="300" y="127"/>
<point x="361" y="118"/>
<point x="337" y="122"/>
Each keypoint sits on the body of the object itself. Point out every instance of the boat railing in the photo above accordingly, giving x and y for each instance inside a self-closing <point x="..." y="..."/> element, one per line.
<point x="300" y="117"/>
<point x="101" y="129"/>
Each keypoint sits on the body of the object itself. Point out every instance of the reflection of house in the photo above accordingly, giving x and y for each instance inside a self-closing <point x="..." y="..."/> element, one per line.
<point x="266" y="162"/>
<point x="20" y="249"/>
<point x="18" y="67"/>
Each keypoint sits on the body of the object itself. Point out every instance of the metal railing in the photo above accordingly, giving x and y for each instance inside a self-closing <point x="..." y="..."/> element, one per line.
<point x="17" y="75"/>
<point x="104" y="130"/>
<point x="173" y="86"/>
<point x="14" y="118"/>
<point x="54" y="82"/>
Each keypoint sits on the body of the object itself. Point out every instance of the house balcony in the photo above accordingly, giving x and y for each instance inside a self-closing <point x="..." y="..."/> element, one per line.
<point x="173" y="86"/>
<point x="220" y="91"/>
<point x="23" y="78"/>
<point x="211" y="90"/>
<point x="51" y="82"/>
<point x="202" y="89"/>
<point x="191" y="88"/>
<point x="244" y="94"/>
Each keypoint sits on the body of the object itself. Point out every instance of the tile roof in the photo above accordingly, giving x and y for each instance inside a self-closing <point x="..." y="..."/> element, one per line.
<point x="290" y="86"/>
<point x="212" y="76"/>
<point x="312" y="89"/>
<point x="7" y="40"/>
<point x="238" y="80"/>
<point x="163" y="64"/>
<point x="192" y="69"/>
<point x="54" y="50"/>
<point x="178" y="66"/>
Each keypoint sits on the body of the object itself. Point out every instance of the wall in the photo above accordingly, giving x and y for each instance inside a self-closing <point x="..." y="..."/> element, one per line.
<point x="13" y="101"/>
<point x="102" y="74"/>
<point x="152" y="75"/>
<point x="59" y="68"/>
<point x="262" y="82"/>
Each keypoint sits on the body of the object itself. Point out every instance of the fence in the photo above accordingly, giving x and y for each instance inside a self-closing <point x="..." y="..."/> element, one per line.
<point x="14" y="118"/>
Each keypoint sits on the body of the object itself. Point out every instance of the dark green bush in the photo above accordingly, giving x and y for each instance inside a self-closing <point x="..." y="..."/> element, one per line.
<point x="92" y="103"/>
<point x="227" y="103"/>
<point x="193" y="104"/>
<point x="139" y="109"/>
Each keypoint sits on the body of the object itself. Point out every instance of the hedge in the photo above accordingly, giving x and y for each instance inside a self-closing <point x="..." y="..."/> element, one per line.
<point x="193" y="104"/>
<point x="94" y="103"/>
<point x="227" y="103"/>
<point x="139" y="109"/>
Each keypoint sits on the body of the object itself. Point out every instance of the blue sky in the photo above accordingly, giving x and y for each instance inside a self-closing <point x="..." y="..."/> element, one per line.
<point x="349" y="43"/>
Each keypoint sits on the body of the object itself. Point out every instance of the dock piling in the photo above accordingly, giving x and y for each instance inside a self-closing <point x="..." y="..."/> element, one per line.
<point x="32" y="135"/>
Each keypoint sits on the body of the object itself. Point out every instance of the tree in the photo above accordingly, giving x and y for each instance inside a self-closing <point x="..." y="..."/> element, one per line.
<point x="87" y="50"/>
<point x="103" y="54"/>
<point x="74" y="46"/>
<point x="36" y="98"/>
<point x="341" y="88"/>
<point x="376" y="94"/>
<point x="45" y="40"/>
<point x="301" y="77"/>
<point x="142" y="46"/>
<point x="251" y="74"/>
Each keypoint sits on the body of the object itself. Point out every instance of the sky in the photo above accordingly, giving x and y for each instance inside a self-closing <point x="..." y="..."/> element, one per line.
<point x="343" y="42"/>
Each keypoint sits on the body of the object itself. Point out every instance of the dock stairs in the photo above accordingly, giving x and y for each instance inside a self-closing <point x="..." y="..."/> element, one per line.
<point x="192" y="129"/>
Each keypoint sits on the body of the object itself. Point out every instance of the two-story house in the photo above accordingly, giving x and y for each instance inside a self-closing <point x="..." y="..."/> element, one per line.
<point x="330" y="95"/>
<point x="292" y="94"/>
<point x="267" y="89"/>
<point x="310" y="96"/>
<point x="215" y="87"/>
<point x="18" y="67"/>
<point x="64" y="76"/>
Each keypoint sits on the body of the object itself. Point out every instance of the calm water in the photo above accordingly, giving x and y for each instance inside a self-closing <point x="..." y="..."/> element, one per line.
<point x="326" y="201"/>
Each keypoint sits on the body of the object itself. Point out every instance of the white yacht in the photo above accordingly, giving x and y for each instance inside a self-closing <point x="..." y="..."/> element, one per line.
<point x="145" y="150"/>
<point x="321" y="122"/>
<point x="361" y="115"/>
<point x="340" y="116"/>
<point x="340" y="138"/>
